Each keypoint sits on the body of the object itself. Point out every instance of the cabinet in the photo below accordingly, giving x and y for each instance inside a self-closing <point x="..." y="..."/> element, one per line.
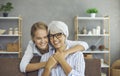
<point x="96" y="32"/>
<point x="10" y="36"/>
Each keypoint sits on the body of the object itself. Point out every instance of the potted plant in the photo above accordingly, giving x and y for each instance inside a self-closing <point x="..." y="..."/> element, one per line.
<point x="6" y="8"/>
<point x="92" y="11"/>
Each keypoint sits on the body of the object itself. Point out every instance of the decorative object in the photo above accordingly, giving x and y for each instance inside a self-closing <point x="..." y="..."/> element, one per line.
<point x="2" y="31"/>
<point x="104" y="31"/>
<point x="88" y="56"/>
<point x="92" y="47"/>
<point x="92" y="12"/>
<point x="94" y="31"/>
<point x="6" y="8"/>
<point x="10" y="31"/>
<point x="12" y="47"/>
<point x="15" y="31"/>
<point x="98" y="30"/>
<point x="102" y="61"/>
<point x="89" y="33"/>
<point x="101" y="47"/>
<point x="115" y="68"/>
<point x="84" y="30"/>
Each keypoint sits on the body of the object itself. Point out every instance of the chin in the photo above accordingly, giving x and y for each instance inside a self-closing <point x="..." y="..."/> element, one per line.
<point x="43" y="47"/>
<point x="57" y="47"/>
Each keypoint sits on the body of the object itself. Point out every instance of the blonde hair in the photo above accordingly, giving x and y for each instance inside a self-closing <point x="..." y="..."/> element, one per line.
<point x="36" y="26"/>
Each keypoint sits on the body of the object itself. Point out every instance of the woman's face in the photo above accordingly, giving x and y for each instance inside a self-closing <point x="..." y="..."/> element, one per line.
<point x="41" y="39"/>
<point x="57" y="39"/>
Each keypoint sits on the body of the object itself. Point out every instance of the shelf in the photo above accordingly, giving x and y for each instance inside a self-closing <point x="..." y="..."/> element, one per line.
<point x="103" y="74"/>
<point x="92" y="35"/>
<point x="15" y="34"/>
<point x="5" y="52"/>
<point x="104" y="65"/>
<point x="90" y="18"/>
<point x="95" y="51"/>
<point x="10" y="18"/>
<point x="9" y="35"/>
<point x="101" y="36"/>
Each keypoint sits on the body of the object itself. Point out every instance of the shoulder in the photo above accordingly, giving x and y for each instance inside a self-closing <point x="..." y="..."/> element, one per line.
<point x="78" y="53"/>
<point x="31" y="44"/>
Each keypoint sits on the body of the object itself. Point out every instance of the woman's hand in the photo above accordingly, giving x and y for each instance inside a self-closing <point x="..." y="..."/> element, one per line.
<point x="59" y="56"/>
<point x="51" y="63"/>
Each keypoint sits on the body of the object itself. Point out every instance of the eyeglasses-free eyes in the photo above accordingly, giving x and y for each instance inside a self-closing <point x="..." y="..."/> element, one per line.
<point x="57" y="35"/>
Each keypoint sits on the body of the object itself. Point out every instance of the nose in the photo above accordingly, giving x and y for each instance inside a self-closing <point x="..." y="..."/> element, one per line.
<point x="54" y="37"/>
<point x="42" y="40"/>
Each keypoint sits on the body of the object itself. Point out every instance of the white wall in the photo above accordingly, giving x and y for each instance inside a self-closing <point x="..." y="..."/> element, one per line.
<point x="65" y="10"/>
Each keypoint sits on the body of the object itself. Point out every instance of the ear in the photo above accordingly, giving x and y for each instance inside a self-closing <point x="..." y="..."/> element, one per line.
<point x="33" y="40"/>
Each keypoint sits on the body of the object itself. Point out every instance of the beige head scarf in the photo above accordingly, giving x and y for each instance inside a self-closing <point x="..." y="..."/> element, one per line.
<point x="58" y="27"/>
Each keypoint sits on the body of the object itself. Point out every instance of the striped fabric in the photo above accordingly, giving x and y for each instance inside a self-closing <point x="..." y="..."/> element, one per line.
<point x="76" y="61"/>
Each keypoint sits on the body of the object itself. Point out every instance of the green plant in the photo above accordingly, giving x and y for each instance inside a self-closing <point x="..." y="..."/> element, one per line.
<point x="92" y="10"/>
<point x="7" y="7"/>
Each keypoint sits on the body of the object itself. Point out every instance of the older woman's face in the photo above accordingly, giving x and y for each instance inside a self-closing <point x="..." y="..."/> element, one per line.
<point x="57" y="39"/>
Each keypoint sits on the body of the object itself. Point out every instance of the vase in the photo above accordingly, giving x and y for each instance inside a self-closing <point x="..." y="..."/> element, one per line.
<point x="93" y="15"/>
<point x="5" y="14"/>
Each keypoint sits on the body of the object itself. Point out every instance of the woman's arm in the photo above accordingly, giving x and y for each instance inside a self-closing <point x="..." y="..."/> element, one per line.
<point x="77" y="67"/>
<point x="73" y="50"/>
<point x="35" y="66"/>
<point x="25" y="65"/>
<point x="49" y="65"/>
<point x="59" y="56"/>
<point x="75" y="46"/>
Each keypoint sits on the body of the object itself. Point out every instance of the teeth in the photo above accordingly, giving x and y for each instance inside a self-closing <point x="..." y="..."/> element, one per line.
<point x="42" y="44"/>
<point x="56" y="42"/>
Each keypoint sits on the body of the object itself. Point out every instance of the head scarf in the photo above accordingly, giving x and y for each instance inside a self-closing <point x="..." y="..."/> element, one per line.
<point x="58" y="27"/>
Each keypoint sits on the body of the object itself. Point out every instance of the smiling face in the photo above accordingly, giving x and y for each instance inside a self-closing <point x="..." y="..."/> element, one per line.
<point x="41" y="39"/>
<point x="58" y="34"/>
<point x="57" y="40"/>
<point x="39" y="36"/>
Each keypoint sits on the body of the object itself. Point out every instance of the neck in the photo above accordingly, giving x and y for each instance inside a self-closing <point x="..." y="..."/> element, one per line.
<point x="43" y="51"/>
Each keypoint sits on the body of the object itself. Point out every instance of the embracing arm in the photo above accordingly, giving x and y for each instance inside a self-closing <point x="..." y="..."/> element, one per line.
<point x="49" y="65"/>
<point x="25" y="65"/>
<point x="77" y="67"/>
<point x="74" y="49"/>
<point x="35" y="66"/>
<point x="59" y="56"/>
<point x="75" y="46"/>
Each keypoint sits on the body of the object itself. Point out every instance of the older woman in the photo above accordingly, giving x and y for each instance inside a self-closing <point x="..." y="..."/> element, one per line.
<point x="58" y="64"/>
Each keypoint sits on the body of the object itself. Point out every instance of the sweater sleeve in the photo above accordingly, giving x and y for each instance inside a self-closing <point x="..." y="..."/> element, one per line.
<point x="73" y="43"/>
<point x="79" y="65"/>
<point x="26" y="58"/>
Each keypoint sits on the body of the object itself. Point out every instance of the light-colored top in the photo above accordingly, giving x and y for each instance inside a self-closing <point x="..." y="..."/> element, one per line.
<point x="31" y="50"/>
<point x="75" y="60"/>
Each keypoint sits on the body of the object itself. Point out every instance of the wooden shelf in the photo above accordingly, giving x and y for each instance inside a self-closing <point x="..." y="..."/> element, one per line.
<point x="92" y="35"/>
<point x="104" y="65"/>
<point x="14" y="18"/>
<point x="90" y="18"/>
<point x="96" y="51"/>
<point x="103" y="35"/>
<point x="6" y="21"/>
<point x="5" y="52"/>
<point x="9" y="35"/>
